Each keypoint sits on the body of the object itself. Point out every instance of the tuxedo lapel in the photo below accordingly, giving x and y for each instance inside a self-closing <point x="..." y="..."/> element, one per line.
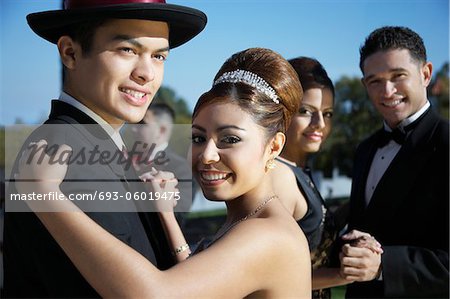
<point x="366" y="154"/>
<point x="68" y="113"/>
<point x="403" y="170"/>
<point x="95" y="135"/>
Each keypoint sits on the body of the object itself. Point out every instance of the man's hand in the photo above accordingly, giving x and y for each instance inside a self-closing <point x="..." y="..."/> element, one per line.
<point x="360" y="239"/>
<point x="359" y="264"/>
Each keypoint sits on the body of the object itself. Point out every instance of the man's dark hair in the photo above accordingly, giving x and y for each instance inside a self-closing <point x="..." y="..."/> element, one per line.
<point x="83" y="33"/>
<point x="391" y="38"/>
<point x="159" y="109"/>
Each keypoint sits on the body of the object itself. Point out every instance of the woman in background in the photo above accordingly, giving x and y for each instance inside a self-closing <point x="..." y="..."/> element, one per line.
<point x="309" y="128"/>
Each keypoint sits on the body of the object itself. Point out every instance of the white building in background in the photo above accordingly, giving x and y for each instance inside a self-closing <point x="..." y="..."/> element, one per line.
<point x="202" y="204"/>
<point x="336" y="186"/>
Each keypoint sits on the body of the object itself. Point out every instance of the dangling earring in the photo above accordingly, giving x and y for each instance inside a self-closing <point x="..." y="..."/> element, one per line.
<point x="270" y="164"/>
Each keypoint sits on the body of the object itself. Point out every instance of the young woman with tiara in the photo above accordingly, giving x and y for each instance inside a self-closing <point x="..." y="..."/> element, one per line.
<point x="238" y="130"/>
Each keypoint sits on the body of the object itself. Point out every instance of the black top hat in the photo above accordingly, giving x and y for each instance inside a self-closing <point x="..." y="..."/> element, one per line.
<point x="184" y="22"/>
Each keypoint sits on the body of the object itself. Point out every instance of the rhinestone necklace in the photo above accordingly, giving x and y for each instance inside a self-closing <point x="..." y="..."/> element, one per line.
<point x="258" y="208"/>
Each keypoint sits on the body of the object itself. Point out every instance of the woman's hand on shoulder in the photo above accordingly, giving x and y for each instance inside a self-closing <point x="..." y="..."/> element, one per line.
<point x="40" y="171"/>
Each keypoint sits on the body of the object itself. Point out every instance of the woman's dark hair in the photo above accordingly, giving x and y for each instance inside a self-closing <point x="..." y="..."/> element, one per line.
<point x="311" y="73"/>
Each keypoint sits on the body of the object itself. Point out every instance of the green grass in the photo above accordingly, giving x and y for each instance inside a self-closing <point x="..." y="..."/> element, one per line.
<point x="338" y="292"/>
<point x="206" y="214"/>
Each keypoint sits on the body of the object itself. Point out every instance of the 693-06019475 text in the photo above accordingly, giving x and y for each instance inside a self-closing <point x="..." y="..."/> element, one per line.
<point x="103" y="195"/>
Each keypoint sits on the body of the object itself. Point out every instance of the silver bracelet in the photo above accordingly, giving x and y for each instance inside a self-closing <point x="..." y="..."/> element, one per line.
<point x="180" y="249"/>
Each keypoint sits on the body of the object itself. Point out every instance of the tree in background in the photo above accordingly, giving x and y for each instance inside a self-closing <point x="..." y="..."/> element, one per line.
<point x="439" y="91"/>
<point x="168" y="96"/>
<point x="354" y="119"/>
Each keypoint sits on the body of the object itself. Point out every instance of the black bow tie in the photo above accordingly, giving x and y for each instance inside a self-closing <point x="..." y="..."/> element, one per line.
<point x="399" y="136"/>
<point x="396" y="135"/>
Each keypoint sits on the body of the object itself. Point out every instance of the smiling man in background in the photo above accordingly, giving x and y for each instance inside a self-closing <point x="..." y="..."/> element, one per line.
<point x="400" y="189"/>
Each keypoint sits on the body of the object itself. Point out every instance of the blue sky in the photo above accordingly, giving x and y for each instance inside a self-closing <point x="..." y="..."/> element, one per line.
<point x="328" y="30"/>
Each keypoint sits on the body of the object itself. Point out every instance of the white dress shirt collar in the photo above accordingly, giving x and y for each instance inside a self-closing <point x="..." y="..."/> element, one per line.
<point x="410" y="119"/>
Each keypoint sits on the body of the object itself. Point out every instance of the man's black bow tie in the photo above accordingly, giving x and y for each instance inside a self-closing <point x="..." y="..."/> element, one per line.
<point x="399" y="136"/>
<point x="396" y="135"/>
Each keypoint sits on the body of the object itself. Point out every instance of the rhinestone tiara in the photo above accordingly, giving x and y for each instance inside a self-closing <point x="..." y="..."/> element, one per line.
<point x="252" y="79"/>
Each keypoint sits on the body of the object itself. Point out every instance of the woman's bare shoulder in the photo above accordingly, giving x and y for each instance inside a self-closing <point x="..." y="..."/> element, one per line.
<point x="282" y="172"/>
<point x="284" y="184"/>
<point x="256" y="256"/>
<point x="277" y="251"/>
<point x="270" y="237"/>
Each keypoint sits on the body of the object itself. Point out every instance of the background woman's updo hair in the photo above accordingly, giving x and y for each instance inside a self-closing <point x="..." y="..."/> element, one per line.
<point x="311" y="73"/>
<point x="276" y="71"/>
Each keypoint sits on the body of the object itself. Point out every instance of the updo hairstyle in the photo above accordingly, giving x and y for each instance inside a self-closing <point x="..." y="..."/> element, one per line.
<point x="272" y="68"/>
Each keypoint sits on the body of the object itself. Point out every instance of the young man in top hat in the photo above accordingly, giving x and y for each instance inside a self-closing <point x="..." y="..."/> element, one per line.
<point x="113" y="54"/>
<point x="400" y="190"/>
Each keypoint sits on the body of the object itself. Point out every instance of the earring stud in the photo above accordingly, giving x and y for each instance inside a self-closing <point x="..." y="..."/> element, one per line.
<point x="271" y="164"/>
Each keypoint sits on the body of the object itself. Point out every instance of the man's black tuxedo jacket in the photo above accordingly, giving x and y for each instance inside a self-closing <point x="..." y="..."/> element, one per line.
<point x="34" y="264"/>
<point x="408" y="213"/>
